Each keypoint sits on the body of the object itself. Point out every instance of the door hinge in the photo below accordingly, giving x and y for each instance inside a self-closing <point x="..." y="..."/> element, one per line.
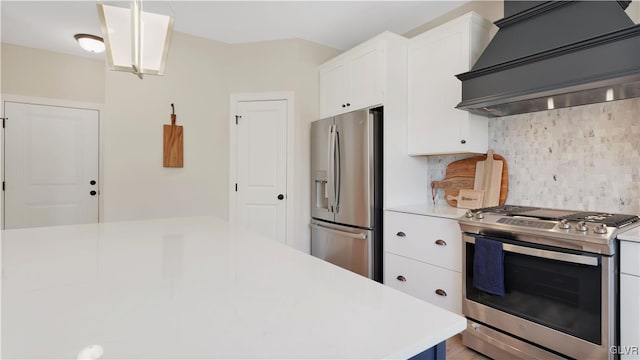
<point x="236" y="186"/>
<point x="238" y="117"/>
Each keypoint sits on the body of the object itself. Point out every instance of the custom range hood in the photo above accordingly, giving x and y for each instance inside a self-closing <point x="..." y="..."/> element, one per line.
<point x="555" y="54"/>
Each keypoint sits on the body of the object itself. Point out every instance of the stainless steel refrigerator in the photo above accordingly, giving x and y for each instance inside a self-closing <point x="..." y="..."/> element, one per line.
<point x="346" y="191"/>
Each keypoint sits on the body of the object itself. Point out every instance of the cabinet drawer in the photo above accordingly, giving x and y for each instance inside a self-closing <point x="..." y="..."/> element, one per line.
<point x="433" y="284"/>
<point x="630" y="316"/>
<point x="429" y="239"/>
<point x="629" y="255"/>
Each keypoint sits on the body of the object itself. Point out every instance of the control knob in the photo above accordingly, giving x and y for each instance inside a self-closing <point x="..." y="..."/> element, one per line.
<point x="600" y="229"/>
<point x="564" y="224"/>
<point x="469" y="214"/>
<point x="479" y="215"/>
<point x="582" y="227"/>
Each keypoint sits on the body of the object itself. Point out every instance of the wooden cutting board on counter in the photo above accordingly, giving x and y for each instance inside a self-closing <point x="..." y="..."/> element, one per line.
<point x="461" y="174"/>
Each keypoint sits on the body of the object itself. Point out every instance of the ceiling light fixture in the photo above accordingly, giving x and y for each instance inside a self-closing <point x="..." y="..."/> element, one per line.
<point x="90" y="43"/>
<point x="550" y="104"/>
<point x="136" y="41"/>
<point x="609" y="94"/>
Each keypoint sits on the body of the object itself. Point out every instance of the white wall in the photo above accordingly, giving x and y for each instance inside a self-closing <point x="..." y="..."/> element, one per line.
<point x="200" y="75"/>
<point x="136" y="186"/>
<point x="37" y="73"/>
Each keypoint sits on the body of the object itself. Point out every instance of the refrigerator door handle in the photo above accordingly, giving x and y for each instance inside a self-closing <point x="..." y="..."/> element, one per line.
<point x="338" y="170"/>
<point x="362" y="236"/>
<point x="331" y="170"/>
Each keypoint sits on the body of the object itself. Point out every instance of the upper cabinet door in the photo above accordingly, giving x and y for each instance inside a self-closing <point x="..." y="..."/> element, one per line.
<point x="435" y="125"/>
<point x="435" y="57"/>
<point x="353" y="80"/>
<point x="365" y="77"/>
<point x="333" y="88"/>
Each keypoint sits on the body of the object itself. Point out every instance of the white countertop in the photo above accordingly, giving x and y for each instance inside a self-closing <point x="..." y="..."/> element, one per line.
<point x="197" y="288"/>
<point x="428" y="209"/>
<point x="631" y="235"/>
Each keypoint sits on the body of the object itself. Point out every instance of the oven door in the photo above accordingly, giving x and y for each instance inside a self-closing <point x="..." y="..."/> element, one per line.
<point x="557" y="298"/>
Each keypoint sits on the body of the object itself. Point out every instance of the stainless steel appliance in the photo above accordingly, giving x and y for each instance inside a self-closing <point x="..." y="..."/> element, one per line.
<point x="560" y="280"/>
<point x="346" y="191"/>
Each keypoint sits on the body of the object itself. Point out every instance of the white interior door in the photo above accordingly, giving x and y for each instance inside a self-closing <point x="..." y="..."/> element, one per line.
<point x="261" y="167"/>
<point x="51" y="165"/>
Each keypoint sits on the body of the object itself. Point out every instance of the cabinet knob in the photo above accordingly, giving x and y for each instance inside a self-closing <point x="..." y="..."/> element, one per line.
<point x="401" y="234"/>
<point x="441" y="242"/>
<point x="463" y="141"/>
<point x="343" y="105"/>
<point x="441" y="292"/>
<point x="348" y="104"/>
<point x="401" y="278"/>
<point x="92" y="193"/>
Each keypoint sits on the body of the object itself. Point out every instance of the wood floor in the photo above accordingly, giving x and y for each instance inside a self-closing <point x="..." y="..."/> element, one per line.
<point x="457" y="351"/>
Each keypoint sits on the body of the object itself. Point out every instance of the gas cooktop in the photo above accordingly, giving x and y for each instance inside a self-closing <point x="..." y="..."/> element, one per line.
<point x="585" y="230"/>
<point x="612" y="220"/>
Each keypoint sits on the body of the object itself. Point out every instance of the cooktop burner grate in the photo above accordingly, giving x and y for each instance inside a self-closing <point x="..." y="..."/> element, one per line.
<point x="614" y="220"/>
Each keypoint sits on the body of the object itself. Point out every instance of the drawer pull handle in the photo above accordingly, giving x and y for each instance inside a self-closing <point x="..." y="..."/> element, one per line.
<point x="441" y="292"/>
<point x="401" y="234"/>
<point x="441" y="242"/>
<point x="401" y="278"/>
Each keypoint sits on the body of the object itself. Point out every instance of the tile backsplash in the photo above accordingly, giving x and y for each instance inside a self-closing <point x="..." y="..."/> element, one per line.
<point x="583" y="158"/>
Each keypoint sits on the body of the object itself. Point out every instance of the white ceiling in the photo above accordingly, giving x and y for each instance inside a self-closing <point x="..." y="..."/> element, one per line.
<point x="51" y="25"/>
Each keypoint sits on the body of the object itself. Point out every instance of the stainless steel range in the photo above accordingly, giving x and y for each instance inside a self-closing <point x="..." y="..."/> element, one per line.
<point x="549" y="281"/>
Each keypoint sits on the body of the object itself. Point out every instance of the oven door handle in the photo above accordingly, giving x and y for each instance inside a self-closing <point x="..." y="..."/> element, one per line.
<point x="547" y="254"/>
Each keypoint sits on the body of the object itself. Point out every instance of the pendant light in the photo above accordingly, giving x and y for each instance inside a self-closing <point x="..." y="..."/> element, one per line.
<point x="136" y="41"/>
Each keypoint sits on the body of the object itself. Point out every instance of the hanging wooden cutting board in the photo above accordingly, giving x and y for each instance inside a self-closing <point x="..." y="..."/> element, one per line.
<point x="461" y="174"/>
<point x="172" y="148"/>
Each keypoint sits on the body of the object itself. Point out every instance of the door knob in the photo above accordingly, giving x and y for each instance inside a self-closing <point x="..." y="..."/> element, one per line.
<point x="92" y="193"/>
<point x="92" y="182"/>
<point x="280" y="197"/>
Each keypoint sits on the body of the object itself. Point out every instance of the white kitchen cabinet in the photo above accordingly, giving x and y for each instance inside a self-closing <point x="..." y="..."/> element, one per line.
<point x="433" y="284"/>
<point x="333" y="88"/>
<point x="353" y="80"/>
<point x="629" y="304"/>
<point x="375" y="73"/>
<point x="422" y="257"/>
<point x="428" y="239"/>
<point x="435" y="126"/>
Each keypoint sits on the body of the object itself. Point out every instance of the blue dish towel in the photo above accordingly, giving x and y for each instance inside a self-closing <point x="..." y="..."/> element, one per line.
<point x="488" y="266"/>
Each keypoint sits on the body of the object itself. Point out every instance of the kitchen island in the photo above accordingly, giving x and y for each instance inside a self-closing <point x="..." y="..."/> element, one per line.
<point x="198" y="288"/>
